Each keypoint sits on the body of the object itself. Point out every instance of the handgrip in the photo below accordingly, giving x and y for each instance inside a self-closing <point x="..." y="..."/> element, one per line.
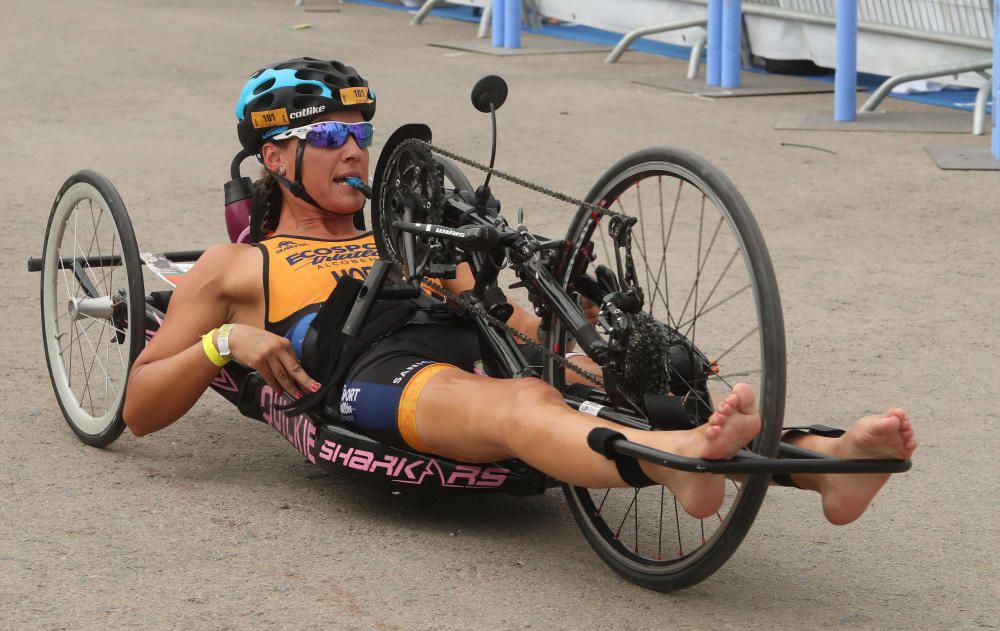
<point x="469" y="237"/>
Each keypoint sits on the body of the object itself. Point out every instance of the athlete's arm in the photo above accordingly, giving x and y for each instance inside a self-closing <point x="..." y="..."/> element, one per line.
<point x="173" y="370"/>
<point x="521" y="319"/>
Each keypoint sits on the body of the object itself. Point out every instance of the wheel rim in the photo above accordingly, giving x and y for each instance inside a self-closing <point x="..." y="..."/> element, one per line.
<point x="682" y="216"/>
<point x="87" y="340"/>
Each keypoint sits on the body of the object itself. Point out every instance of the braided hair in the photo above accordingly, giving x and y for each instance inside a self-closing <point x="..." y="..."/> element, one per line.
<point x="266" y="206"/>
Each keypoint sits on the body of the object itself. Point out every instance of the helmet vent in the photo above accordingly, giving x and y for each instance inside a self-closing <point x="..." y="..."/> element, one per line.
<point x="263" y="103"/>
<point x="310" y="75"/>
<point x="308" y="88"/>
<point x="264" y="87"/>
<point x="321" y="67"/>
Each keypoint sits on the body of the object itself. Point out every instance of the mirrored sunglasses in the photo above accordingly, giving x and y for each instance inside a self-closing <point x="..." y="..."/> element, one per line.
<point x="331" y="134"/>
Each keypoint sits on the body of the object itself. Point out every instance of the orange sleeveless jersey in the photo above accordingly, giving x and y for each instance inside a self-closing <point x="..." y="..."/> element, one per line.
<point x="301" y="272"/>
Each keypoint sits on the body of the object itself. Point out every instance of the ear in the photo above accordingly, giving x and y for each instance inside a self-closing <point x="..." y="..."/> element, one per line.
<point x="273" y="157"/>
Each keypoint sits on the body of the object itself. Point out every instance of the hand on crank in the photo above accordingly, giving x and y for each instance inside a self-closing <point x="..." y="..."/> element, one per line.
<point x="591" y="311"/>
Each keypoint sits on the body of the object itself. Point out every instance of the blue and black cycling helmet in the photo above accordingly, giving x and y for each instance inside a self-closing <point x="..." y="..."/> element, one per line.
<point x="293" y="93"/>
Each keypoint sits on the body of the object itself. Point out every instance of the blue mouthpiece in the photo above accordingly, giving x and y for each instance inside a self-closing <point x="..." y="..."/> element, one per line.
<point x="357" y="183"/>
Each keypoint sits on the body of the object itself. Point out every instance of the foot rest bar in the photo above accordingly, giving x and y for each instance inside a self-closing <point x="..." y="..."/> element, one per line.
<point x="748" y="462"/>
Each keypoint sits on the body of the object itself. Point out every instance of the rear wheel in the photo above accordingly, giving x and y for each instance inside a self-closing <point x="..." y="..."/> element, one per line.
<point x="93" y="308"/>
<point x="705" y="274"/>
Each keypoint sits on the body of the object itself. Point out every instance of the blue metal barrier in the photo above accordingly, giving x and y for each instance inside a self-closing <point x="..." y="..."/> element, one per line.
<point x="713" y="74"/>
<point x="995" y="133"/>
<point x="845" y="83"/>
<point x="512" y="24"/>
<point x="732" y="31"/>
<point x="506" y="21"/>
<point x="499" y="16"/>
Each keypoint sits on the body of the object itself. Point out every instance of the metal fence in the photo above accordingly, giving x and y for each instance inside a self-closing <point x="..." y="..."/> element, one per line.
<point x="961" y="18"/>
<point x="964" y="23"/>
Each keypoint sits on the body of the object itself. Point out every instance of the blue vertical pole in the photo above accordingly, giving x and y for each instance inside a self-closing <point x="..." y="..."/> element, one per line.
<point x="732" y="29"/>
<point x="713" y="74"/>
<point x="995" y="131"/>
<point x="498" y="20"/>
<point x="845" y="83"/>
<point x="512" y="24"/>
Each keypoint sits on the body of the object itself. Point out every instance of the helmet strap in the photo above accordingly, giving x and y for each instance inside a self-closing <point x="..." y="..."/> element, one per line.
<point x="297" y="189"/>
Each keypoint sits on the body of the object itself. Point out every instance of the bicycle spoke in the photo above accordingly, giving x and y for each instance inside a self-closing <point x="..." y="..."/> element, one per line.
<point x="742" y="373"/>
<point x="76" y="243"/>
<point x="79" y="345"/>
<point x="107" y="382"/>
<point x="738" y="342"/>
<point x="89" y="371"/>
<point x="665" y="242"/>
<point x="627" y="512"/>
<point x="655" y="290"/>
<point x="90" y="246"/>
<point x="702" y="263"/>
<point x="659" y="534"/>
<point x="107" y="324"/>
<point x="111" y="276"/>
<point x="697" y="276"/>
<point x="717" y="305"/>
<point x="677" y="520"/>
<point x="636" y="548"/>
<point x="603" y="499"/>
<point x="718" y="281"/>
<point x="97" y="241"/>
<point x="96" y="359"/>
<point x="642" y="232"/>
<point x="62" y="273"/>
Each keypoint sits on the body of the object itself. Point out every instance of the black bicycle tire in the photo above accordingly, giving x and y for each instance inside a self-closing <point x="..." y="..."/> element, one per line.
<point x="741" y="516"/>
<point x="133" y="271"/>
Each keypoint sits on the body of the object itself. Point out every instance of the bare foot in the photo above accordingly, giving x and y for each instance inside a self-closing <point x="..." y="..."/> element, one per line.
<point x="846" y="496"/>
<point x="733" y="425"/>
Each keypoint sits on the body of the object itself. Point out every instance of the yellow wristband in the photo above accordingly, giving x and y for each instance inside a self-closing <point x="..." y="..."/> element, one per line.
<point x="211" y="352"/>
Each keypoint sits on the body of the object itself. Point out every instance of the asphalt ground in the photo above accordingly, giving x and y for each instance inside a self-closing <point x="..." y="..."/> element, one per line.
<point x="888" y="274"/>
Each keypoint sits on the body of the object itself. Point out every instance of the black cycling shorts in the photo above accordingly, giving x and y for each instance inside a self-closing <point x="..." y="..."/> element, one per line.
<point x="382" y="387"/>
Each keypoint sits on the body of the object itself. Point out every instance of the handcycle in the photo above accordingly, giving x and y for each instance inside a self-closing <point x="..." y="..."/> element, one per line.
<point x="663" y="243"/>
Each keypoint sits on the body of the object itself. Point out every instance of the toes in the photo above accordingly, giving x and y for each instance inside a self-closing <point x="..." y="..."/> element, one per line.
<point x="887" y="425"/>
<point x="900" y="413"/>
<point x="745" y="398"/>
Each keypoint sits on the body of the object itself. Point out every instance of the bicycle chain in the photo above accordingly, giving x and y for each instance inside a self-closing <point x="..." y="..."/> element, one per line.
<point x="466" y="304"/>
<point x="606" y="212"/>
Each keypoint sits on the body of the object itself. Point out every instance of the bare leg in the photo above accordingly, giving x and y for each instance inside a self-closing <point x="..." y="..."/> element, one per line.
<point x="846" y="496"/>
<point x="472" y="418"/>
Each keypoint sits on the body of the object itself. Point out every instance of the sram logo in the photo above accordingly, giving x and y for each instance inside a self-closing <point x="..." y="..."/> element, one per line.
<point x="309" y="111"/>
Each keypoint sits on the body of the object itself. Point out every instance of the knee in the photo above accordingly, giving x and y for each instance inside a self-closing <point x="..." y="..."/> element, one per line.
<point x="528" y="402"/>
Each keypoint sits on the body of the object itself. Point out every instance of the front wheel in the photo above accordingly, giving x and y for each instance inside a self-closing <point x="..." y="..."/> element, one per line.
<point x="93" y="305"/>
<point x="706" y="277"/>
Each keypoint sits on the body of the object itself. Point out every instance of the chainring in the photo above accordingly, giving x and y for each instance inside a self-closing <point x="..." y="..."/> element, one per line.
<point x="412" y="191"/>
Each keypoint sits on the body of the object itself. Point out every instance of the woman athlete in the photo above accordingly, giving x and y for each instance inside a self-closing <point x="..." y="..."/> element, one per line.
<point x="308" y="122"/>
